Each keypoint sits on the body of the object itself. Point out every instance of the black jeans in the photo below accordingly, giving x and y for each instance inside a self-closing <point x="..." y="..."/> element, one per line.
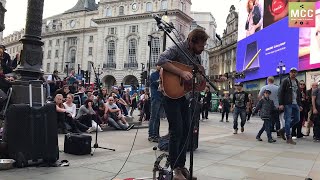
<point x="266" y="127"/>
<point x="275" y="120"/>
<point x="225" y="111"/>
<point x="205" y="110"/>
<point x="249" y="115"/>
<point x="297" y="128"/>
<point x="177" y="114"/>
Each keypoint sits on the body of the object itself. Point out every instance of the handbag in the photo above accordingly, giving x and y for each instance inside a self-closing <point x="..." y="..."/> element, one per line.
<point x="3" y="96"/>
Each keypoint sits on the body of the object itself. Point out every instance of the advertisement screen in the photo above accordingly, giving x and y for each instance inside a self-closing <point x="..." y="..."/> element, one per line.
<point x="309" y="45"/>
<point x="259" y="54"/>
<point x="274" y="11"/>
<point x="250" y="18"/>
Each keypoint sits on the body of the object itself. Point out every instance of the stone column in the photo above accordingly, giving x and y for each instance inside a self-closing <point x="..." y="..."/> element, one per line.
<point x="31" y="55"/>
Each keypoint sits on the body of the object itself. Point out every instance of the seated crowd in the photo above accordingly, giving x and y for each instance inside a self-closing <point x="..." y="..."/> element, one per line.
<point x="93" y="113"/>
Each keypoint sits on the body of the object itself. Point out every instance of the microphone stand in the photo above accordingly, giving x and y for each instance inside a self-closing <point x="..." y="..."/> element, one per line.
<point x="96" y="145"/>
<point x="192" y="103"/>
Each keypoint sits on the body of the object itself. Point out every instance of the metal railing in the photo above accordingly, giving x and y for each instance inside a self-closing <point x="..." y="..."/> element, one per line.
<point x="131" y="65"/>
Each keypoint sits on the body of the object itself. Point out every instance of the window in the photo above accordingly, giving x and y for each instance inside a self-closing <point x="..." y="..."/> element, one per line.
<point x="91" y="39"/>
<point x="133" y="29"/>
<point x="181" y="6"/>
<point x="111" y="58"/>
<point x="112" y="31"/>
<point x="56" y="54"/>
<point x="72" y="59"/>
<point x="121" y="10"/>
<point x="154" y="27"/>
<point x="73" y="41"/>
<point x="50" y="42"/>
<point x="155" y="50"/>
<point x="49" y="54"/>
<point x="55" y="66"/>
<point x="48" y="67"/>
<point x="109" y="12"/>
<point x="132" y="56"/>
<point x="90" y="51"/>
<point x="149" y="7"/>
<point x="58" y="42"/>
<point x="164" y="4"/>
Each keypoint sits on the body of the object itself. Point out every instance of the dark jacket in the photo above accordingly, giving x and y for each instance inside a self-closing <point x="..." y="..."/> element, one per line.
<point x="6" y="63"/>
<point x="285" y="93"/>
<point x="266" y="107"/>
<point x="207" y="98"/>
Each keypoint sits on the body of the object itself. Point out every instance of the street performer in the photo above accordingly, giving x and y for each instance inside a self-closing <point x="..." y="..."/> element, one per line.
<point x="177" y="109"/>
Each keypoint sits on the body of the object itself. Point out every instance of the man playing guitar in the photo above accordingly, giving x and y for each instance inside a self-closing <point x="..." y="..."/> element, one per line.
<point x="177" y="109"/>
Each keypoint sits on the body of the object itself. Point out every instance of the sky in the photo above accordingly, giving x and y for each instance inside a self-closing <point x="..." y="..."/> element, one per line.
<point x="16" y="11"/>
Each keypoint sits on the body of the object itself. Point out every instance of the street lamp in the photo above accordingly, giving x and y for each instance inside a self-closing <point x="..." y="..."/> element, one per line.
<point x="150" y="38"/>
<point x="67" y="68"/>
<point x="281" y="69"/>
<point x="2" y="11"/>
<point x="165" y="18"/>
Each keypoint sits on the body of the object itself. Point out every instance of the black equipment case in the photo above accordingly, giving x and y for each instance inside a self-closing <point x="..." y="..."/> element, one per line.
<point x="77" y="144"/>
<point x="31" y="132"/>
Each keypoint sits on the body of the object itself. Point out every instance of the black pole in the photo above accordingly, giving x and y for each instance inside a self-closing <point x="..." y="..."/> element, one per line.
<point x="164" y="37"/>
<point x="67" y="67"/>
<point x="78" y="68"/>
<point x="149" y="64"/>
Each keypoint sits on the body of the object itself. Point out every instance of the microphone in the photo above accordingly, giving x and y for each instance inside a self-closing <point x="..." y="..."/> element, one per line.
<point x="160" y="21"/>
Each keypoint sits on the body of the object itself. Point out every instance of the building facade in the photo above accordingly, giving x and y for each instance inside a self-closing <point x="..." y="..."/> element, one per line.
<point x="113" y="35"/>
<point x="206" y="21"/>
<point x="222" y="56"/>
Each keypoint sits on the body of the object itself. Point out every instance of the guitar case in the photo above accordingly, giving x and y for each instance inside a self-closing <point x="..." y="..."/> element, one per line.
<point x="31" y="132"/>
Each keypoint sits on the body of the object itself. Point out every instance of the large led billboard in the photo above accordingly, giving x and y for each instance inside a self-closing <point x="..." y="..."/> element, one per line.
<point x="309" y="45"/>
<point x="260" y="50"/>
<point x="259" y="54"/>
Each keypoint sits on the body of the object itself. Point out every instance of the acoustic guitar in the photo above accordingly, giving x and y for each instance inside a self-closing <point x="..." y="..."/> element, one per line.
<point x="174" y="86"/>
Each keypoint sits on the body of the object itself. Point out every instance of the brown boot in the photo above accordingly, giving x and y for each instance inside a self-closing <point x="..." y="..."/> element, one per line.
<point x="290" y="141"/>
<point x="281" y="133"/>
<point x="177" y="174"/>
<point x="186" y="174"/>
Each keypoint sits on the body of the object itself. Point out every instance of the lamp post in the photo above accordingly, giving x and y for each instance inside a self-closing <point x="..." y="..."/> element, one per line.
<point x="165" y="18"/>
<point x="281" y="69"/>
<point x="31" y="56"/>
<point x="2" y="12"/>
<point x="142" y="69"/>
<point x="67" y="68"/>
<point x="150" y="38"/>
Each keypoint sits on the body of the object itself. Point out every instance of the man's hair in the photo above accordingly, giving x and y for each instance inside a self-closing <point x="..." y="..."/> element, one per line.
<point x="271" y="79"/>
<point x="197" y="35"/>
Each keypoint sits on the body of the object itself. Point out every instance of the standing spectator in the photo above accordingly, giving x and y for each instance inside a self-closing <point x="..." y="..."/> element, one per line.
<point x="314" y="86"/>
<point x="250" y="106"/>
<point x="266" y="107"/>
<point x="71" y="78"/>
<point x="126" y="98"/>
<point x="225" y="107"/>
<point x="239" y="106"/>
<point x="297" y="128"/>
<point x="16" y="61"/>
<point x="134" y="103"/>
<point x="52" y="82"/>
<point x="206" y="102"/>
<point x="156" y="106"/>
<point x="275" y="118"/>
<point x="5" y="61"/>
<point x="315" y="111"/>
<point x="290" y="101"/>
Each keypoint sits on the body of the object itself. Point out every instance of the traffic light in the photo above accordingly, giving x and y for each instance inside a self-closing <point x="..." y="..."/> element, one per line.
<point x="143" y="76"/>
<point x="86" y="75"/>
